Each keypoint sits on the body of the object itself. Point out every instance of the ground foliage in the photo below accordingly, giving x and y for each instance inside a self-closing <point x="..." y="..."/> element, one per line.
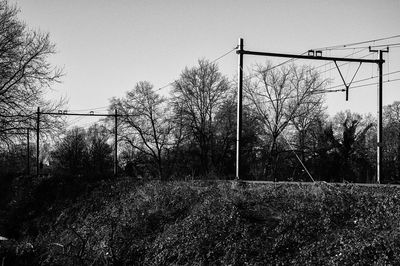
<point x="127" y="222"/>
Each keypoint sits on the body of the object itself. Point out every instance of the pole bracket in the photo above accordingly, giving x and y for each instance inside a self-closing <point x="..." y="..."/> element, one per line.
<point x="347" y="86"/>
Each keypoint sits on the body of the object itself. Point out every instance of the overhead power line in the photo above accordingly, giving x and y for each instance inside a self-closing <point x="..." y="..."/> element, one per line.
<point x="360" y="80"/>
<point x="343" y="64"/>
<point x="357" y="43"/>
<point x="213" y="61"/>
<point x="346" y="56"/>
<point x="248" y="77"/>
<point x="374" y="83"/>
<point x="340" y="47"/>
<point x="294" y="59"/>
<point x="366" y="47"/>
<point x="353" y="87"/>
<point x="343" y="45"/>
<point x="90" y="109"/>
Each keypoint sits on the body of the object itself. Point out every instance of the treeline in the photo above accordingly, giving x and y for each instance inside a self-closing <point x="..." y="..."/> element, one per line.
<point x="191" y="132"/>
<point x="287" y="135"/>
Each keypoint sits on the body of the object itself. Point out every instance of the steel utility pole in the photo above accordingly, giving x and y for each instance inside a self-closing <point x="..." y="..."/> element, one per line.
<point x="379" y="132"/>
<point x="379" y="126"/>
<point x="37" y="142"/>
<point x="313" y="55"/>
<point x="239" y="107"/>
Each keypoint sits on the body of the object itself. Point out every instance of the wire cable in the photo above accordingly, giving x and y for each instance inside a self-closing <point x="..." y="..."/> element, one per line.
<point x="343" y="64"/>
<point x="213" y="61"/>
<point x="354" y="87"/>
<point x="366" y="47"/>
<point x="346" y="56"/>
<point x="357" y="43"/>
<point x="365" y="79"/>
<point x="298" y="158"/>
<point x="374" y="83"/>
<point x="90" y="109"/>
<point x="248" y="77"/>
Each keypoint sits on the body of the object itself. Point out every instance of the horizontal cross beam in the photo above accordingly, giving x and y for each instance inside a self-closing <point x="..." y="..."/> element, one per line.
<point x="323" y="58"/>
<point x="77" y="114"/>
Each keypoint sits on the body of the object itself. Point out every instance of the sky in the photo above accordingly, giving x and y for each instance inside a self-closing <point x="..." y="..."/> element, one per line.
<point x="106" y="47"/>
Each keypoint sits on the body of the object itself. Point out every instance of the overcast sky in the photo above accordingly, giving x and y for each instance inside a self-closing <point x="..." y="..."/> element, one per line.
<point x="106" y="47"/>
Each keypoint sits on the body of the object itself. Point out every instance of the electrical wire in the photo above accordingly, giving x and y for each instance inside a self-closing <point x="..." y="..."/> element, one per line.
<point x="344" y="46"/>
<point x="374" y="83"/>
<point x="75" y="120"/>
<point x="395" y="45"/>
<point x="248" y="77"/>
<point x="90" y="109"/>
<point x="349" y="62"/>
<point x="84" y="124"/>
<point x="298" y="158"/>
<point x="344" y="64"/>
<point x="294" y="59"/>
<point x="365" y="79"/>
<point x="357" y="43"/>
<point x="366" y="47"/>
<point x="354" y="87"/>
<point x="354" y="53"/>
<point x="213" y="61"/>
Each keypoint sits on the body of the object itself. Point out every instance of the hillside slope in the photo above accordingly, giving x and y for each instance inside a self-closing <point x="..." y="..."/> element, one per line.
<point x="204" y="223"/>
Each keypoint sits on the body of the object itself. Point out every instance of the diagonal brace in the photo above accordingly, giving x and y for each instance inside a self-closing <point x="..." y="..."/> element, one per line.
<point x="347" y="86"/>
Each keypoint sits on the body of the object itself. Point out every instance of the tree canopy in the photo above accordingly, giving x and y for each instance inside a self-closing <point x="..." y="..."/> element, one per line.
<point x="25" y="74"/>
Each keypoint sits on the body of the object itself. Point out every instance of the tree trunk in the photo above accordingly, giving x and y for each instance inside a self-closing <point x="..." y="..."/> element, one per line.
<point x="272" y="160"/>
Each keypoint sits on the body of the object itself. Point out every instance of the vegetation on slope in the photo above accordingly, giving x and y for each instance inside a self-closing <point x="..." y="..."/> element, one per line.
<point x="200" y="223"/>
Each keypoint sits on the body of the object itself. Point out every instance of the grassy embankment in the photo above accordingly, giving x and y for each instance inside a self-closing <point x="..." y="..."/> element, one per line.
<point x="204" y="223"/>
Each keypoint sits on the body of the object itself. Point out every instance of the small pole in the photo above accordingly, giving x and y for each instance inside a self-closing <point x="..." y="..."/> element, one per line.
<point x="28" y="165"/>
<point x="115" y="144"/>
<point x="239" y="107"/>
<point x="37" y="142"/>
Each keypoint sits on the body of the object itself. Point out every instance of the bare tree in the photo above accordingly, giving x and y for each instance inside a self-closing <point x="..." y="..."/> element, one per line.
<point x="25" y="74"/>
<point x="391" y="142"/>
<point x="392" y="113"/>
<point x="198" y="95"/>
<point x="281" y="97"/>
<point x="70" y="155"/>
<point x="144" y="123"/>
<point x="309" y="115"/>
